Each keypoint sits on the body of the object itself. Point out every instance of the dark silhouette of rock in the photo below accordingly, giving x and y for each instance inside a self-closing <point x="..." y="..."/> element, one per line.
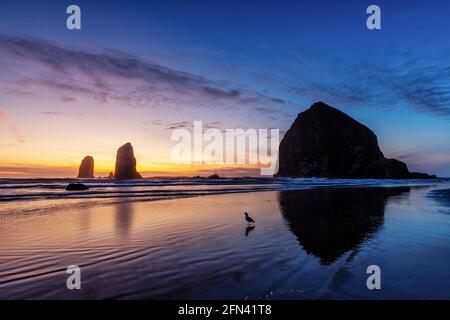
<point x="86" y="168"/>
<point x="111" y="175"/>
<point x="419" y="175"/>
<point x="214" y="176"/>
<point x="126" y="163"/>
<point x="76" y="187"/>
<point x="330" y="222"/>
<point x="325" y="142"/>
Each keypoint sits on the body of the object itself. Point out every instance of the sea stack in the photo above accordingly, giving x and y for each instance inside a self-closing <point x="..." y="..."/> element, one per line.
<point x="126" y="163"/>
<point x="325" y="142"/>
<point x="86" y="168"/>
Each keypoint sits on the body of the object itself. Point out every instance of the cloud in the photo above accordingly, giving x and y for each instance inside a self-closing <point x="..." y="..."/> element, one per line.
<point x="120" y="77"/>
<point x="424" y="153"/>
<point x="36" y="171"/>
<point x="183" y="125"/>
<point x="18" y="93"/>
<point x="420" y="84"/>
<point x="68" y="99"/>
<point x="53" y="113"/>
<point x="190" y="125"/>
<point x="153" y="123"/>
<point x="180" y="125"/>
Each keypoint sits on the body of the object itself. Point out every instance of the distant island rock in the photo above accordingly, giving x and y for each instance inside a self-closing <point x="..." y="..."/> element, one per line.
<point x="86" y="168"/>
<point x="325" y="142"/>
<point x="214" y="176"/>
<point x="126" y="163"/>
<point x="77" y="187"/>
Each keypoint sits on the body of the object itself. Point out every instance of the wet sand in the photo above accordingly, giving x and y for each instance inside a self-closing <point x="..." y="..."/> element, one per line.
<point x="306" y="244"/>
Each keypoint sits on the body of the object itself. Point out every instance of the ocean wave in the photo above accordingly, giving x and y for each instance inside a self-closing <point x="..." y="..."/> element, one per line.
<point x="45" y="189"/>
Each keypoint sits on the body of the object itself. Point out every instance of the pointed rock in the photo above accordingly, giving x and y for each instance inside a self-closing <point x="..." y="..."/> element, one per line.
<point x="126" y="163"/>
<point x="86" y="168"/>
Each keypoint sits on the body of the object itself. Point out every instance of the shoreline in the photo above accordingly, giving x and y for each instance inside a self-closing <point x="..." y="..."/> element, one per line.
<point x="87" y="199"/>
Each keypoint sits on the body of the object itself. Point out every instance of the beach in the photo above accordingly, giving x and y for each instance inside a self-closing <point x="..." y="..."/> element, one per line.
<point x="307" y="243"/>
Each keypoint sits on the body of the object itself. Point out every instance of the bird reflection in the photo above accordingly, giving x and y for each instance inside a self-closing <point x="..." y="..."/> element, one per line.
<point x="248" y="230"/>
<point x="330" y="222"/>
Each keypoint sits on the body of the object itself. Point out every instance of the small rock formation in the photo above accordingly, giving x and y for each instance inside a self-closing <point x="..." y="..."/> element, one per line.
<point x="325" y="142"/>
<point x="77" y="187"/>
<point x="214" y="176"/>
<point x="86" y="168"/>
<point x="126" y="163"/>
<point x="111" y="175"/>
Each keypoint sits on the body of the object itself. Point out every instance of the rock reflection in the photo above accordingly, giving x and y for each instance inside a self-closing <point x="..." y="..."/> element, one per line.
<point x="330" y="222"/>
<point x="124" y="217"/>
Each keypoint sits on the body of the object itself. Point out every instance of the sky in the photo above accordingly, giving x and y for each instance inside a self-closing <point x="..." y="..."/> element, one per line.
<point x="137" y="70"/>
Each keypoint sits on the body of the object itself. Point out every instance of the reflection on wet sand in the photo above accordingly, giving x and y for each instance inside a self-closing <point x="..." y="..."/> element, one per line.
<point x="200" y="248"/>
<point x="330" y="222"/>
<point x="441" y="196"/>
<point x="124" y="217"/>
<point x="248" y="230"/>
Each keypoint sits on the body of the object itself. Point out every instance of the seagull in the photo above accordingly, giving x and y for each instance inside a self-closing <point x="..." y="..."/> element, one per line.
<point x="248" y="218"/>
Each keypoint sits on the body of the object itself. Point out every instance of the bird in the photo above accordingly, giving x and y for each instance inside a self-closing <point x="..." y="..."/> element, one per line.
<point x="248" y="218"/>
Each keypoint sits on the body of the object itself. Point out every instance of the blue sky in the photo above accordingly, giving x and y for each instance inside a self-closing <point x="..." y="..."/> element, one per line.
<point x="231" y="63"/>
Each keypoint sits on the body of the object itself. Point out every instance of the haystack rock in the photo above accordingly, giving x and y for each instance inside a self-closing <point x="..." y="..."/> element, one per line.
<point x="126" y="163"/>
<point x="325" y="142"/>
<point x="86" y="168"/>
